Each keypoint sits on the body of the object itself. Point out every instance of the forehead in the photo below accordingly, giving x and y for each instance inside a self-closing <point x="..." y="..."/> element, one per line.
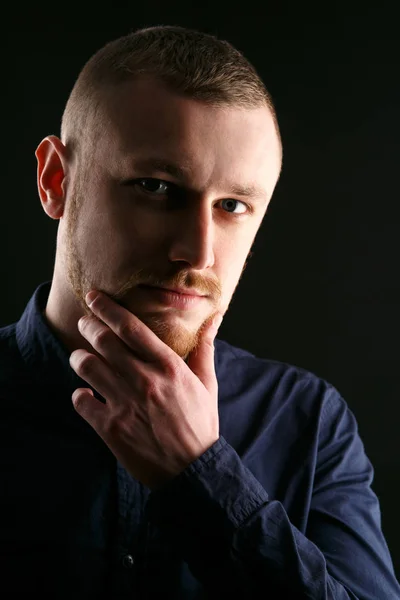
<point x="208" y="143"/>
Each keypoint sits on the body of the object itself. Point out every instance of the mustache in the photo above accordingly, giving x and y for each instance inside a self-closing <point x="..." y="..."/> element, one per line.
<point x="186" y="280"/>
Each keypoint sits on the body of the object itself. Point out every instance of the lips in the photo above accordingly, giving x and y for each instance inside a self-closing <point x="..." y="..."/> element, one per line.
<point x="164" y="297"/>
<point x="183" y="292"/>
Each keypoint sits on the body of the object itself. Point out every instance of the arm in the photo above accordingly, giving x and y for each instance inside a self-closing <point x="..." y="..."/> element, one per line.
<point x="239" y="543"/>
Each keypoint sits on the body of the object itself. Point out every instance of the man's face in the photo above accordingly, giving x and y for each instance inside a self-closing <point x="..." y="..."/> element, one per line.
<point x="127" y="224"/>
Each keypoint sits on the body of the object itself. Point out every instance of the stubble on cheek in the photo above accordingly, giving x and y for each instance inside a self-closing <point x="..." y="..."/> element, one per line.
<point x="74" y="265"/>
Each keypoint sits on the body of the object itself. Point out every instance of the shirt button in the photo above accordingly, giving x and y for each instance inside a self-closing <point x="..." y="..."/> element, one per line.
<point x="128" y="561"/>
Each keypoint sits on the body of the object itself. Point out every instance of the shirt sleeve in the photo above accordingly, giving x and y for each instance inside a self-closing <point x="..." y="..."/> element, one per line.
<point x="239" y="543"/>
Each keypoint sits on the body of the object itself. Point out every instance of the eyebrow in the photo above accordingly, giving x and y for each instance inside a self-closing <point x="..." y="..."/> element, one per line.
<point x="183" y="172"/>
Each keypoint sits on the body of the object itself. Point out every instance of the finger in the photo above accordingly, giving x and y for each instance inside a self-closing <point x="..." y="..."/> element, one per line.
<point x="116" y="353"/>
<point x="130" y="329"/>
<point x="201" y="360"/>
<point x="89" y="408"/>
<point x="99" y="376"/>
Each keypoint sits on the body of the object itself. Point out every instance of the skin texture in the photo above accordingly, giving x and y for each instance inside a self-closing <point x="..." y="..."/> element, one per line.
<point x="152" y="364"/>
<point x="113" y="236"/>
<point x="160" y="413"/>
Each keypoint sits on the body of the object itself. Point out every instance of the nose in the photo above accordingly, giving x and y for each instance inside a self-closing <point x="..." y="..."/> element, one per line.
<point x="193" y="240"/>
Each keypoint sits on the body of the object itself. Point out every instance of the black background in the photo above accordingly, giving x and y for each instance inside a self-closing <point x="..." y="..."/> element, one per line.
<point x="322" y="289"/>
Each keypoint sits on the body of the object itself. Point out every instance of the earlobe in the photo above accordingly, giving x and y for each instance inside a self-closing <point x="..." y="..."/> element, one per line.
<point x="51" y="175"/>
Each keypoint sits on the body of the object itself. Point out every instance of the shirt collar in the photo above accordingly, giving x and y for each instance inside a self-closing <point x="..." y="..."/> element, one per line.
<point x="41" y="349"/>
<point x="44" y="353"/>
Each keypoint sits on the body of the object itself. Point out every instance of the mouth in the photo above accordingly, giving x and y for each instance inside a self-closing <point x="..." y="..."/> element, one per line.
<point x="172" y="298"/>
<point x="181" y="292"/>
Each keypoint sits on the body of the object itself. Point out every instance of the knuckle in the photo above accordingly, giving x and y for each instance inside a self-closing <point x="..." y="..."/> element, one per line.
<point x="78" y="402"/>
<point x="86" y="364"/>
<point x="171" y="369"/>
<point x="127" y="330"/>
<point x="152" y="390"/>
<point x="101" y="337"/>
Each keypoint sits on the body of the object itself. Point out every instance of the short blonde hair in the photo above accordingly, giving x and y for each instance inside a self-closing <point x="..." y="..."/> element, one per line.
<point x="192" y="63"/>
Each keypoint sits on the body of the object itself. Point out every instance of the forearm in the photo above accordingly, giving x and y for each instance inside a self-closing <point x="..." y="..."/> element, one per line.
<point x="238" y="541"/>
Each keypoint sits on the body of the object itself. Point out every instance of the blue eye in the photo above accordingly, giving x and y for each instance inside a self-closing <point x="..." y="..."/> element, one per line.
<point x="232" y="200"/>
<point x="159" y="187"/>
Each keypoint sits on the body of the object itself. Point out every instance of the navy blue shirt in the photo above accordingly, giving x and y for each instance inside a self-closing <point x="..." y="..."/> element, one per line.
<point x="281" y="506"/>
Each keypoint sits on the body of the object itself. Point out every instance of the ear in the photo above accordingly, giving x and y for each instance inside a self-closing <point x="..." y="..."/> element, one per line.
<point x="51" y="175"/>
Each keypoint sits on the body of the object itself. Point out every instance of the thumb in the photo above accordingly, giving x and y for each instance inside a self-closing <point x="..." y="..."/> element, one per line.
<point x="201" y="360"/>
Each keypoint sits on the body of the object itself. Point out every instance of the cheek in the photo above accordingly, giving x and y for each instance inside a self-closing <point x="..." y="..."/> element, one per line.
<point x="121" y="239"/>
<point x="133" y="217"/>
<point x="230" y="269"/>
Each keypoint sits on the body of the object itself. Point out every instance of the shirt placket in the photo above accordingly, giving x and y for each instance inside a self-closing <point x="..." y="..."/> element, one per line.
<point x="129" y="530"/>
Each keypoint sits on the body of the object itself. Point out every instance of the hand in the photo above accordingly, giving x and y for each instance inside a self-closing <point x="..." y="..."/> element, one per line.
<point x="160" y="413"/>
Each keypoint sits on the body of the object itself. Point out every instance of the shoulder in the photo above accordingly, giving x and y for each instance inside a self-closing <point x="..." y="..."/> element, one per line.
<point x="278" y="384"/>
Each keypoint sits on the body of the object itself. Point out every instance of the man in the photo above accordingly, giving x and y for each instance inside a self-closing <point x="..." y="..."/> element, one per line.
<point x="142" y="457"/>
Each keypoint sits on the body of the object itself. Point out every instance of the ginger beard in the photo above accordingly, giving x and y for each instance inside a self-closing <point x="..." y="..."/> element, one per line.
<point x="172" y="331"/>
